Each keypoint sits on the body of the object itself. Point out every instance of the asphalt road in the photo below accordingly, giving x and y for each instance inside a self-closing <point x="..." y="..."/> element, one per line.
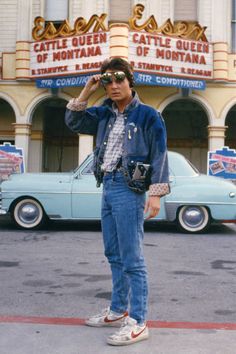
<point x="61" y="271"/>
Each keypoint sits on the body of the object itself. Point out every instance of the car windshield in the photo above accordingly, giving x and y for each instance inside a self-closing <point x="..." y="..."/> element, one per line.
<point x="180" y="166"/>
<point x="193" y="167"/>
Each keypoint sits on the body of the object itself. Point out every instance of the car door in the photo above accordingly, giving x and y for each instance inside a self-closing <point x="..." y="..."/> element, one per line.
<point x="164" y="209"/>
<point x="86" y="197"/>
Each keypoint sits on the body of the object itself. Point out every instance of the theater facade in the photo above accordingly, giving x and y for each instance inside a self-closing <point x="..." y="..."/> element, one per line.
<point x="190" y="79"/>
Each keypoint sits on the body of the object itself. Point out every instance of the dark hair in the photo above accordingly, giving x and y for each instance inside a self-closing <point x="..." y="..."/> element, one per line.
<point x="119" y="64"/>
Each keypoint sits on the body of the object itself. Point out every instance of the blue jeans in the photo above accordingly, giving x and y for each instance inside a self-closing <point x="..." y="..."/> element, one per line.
<point x="122" y="226"/>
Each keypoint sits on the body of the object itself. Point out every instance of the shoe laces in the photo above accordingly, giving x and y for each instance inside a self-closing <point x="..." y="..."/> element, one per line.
<point x="126" y="326"/>
<point x="102" y="313"/>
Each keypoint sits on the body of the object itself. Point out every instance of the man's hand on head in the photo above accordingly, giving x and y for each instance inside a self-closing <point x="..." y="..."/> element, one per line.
<point x="91" y="86"/>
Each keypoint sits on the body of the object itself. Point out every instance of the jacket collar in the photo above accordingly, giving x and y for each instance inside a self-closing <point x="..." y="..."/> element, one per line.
<point x="133" y="104"/>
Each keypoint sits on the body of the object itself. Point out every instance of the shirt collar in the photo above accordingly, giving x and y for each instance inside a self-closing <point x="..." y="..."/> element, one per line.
<point x="135" y="101"/>
<point x="129" y="106"/>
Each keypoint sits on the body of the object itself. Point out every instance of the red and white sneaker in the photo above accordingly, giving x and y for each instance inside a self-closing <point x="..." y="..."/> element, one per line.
<point x="129" y="333"/>
<point x="106" y="318"/>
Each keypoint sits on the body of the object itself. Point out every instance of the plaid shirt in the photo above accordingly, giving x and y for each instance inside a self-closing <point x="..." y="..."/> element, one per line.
<point x="115" y="142"/>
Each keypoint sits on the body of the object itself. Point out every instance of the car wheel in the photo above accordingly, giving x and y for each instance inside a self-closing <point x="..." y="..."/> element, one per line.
<point x="28" y="214"/>
<point x="193" y="218"/>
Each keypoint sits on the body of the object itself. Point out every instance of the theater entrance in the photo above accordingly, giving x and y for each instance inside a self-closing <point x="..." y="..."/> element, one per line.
<point x="186" y="124"/>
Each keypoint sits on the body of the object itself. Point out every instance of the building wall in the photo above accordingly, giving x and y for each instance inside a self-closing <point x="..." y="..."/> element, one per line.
<point x="8" y="25"/>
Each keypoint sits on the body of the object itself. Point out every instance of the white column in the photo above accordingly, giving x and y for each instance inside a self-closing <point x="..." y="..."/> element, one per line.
<point x="35" y="158"/>
<point x="85" y="146"/>
<point x="24" y="23"/>
<point x="216" y="137"/>
<point x="119" y="34"/>
<point x="22" y="137"/>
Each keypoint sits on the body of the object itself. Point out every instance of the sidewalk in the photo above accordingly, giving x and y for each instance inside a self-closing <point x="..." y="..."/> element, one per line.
<point x="68" y="338"/>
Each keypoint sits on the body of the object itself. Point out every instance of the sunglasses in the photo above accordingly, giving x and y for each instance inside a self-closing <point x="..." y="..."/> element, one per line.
<point x="107" y="78"/>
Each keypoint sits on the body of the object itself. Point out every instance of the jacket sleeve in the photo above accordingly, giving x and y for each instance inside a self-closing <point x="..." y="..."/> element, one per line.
<point x="82" y="121"/>
<point x="158" y="157"/>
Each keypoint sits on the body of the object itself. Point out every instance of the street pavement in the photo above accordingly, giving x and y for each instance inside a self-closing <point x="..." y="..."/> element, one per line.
<point x="31" y="338"/>
<point x="25" y="328"/>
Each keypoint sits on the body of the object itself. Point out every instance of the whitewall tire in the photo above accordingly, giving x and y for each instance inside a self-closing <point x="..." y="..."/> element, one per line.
<point x="28" y="214"/>
<point x="193" y="218"/>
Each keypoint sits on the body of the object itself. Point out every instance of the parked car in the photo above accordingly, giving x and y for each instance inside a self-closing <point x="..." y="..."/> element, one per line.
<point x="195" y="200"/>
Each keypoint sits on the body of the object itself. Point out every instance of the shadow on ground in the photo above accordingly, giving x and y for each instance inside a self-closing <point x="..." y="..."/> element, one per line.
<point x="151" y="226"/>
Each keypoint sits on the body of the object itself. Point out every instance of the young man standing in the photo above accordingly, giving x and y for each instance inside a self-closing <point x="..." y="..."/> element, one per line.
<point x="130" y="157"/>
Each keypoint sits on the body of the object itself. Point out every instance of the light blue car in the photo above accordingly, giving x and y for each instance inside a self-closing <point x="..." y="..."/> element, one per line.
<point x="194" y="203"/>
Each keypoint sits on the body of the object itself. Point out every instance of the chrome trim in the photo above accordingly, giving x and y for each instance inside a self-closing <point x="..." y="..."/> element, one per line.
<point x="95" y="219"/>
<point x="48" y="192"/>
<point x="76" y="219"/>
<point x="29" y="193"/>
<point x="98" y="192"/>
<point x="183" y="202"/>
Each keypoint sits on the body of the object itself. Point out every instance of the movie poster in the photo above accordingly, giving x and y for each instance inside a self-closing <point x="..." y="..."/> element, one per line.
<point x="222" y="163"/>
<point x="11" y="160"/>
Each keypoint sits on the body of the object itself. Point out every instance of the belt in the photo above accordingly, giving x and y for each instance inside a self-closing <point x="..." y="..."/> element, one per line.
<point x="106" y="173"/>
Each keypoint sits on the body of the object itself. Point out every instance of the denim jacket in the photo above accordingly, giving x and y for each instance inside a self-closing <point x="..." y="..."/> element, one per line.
<point x="144" y="140"/>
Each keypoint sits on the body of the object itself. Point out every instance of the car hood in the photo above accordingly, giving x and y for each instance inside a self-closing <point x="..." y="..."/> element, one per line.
<point x="208" y="180"/>
<point x="202" y="189"/>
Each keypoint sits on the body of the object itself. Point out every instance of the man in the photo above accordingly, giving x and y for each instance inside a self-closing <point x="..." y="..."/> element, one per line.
<point x="130" y="157"/>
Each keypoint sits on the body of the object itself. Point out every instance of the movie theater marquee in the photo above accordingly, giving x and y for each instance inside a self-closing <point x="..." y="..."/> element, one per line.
<point x="179" y="50"/>
<point x="170" y="56"/>
<point x="69" y="56"/>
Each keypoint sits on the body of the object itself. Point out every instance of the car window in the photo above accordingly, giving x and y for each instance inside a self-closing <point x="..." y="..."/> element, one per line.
<point x="88" y="169"/>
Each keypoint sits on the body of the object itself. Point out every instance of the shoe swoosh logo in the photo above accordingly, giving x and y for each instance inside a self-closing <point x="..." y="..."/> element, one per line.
<point x="108" y="321"/>
<point x="135" y="335"/>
